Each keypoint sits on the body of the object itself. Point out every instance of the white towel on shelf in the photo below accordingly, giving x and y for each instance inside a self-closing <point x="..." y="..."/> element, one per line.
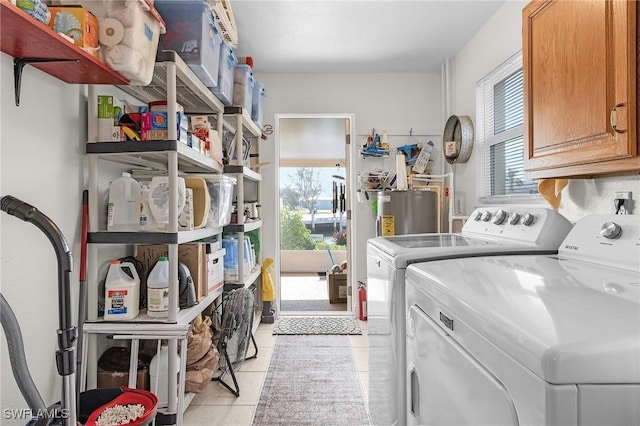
<point x="127" y="62"/>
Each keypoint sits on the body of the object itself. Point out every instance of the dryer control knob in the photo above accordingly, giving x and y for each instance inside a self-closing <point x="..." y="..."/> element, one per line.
<point x="501" y="215"/>
<point x="527" y="219"/>
<point x="514" y="218"/>
<point x="486" y="216"/>
<point x="611" y="230"/>
<point x="477" y="216"/>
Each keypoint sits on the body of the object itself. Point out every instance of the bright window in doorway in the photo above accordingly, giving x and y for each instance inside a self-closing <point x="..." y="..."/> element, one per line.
<point x="312" y="208"/>
<point x="500" y="117"/>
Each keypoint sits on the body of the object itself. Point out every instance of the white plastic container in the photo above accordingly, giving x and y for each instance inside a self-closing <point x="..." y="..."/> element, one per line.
<point x="159" y="200"/>
<point x="121" y="292"/>
<point x="259" y="95"/>
<point x="159" y="374"/>
<point x="158" y="289"/>
<point x="243" y="83"/>
<point x="147" y="223"/>
<point x="227" y="65"/>
<point x="221" y="199"/>
<point x="123" y="210"/>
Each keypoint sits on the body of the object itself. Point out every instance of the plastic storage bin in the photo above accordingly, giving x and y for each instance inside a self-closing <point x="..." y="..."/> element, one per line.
<point x="128" y="34"/>
<point x="228" y="62"/>
<point x="230" y="245"/>
<point x="259" y="95"/>
<point x="221" y="193"/>
<point x="194" y="34"/>
<point x="243" y="83"/>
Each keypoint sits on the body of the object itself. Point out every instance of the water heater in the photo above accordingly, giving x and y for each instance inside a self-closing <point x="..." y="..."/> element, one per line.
<point x="407" y="212"/>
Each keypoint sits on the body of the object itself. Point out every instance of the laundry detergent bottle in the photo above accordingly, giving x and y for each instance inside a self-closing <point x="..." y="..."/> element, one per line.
<point x="121" y="292"/>
<point x="123" y="212"/>
<point x="158" y="289"/>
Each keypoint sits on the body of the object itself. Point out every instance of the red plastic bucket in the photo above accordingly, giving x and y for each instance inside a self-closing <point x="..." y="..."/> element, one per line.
<point x="128" y="396"/>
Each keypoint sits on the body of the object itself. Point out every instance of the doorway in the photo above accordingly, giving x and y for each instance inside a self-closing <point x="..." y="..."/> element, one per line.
<point x="314" y="227"/>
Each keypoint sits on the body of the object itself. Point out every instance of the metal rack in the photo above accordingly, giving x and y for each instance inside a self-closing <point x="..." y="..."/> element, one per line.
<point x="175" y="82"/>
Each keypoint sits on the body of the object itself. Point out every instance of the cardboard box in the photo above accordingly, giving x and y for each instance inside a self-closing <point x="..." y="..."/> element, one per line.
<point x="215" y="270"/>
<point x="153" y="135"/>
<point x="337" y="288"/>
<point x="192" y="255"/>
<point x="159" y="120"/>
<point x="109" y="113"/>
<point x="78" y="23"/>
<point x="116" y="379"/>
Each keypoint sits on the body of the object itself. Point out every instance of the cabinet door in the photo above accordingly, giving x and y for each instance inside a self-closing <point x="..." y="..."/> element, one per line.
<point x="579" y="66"/>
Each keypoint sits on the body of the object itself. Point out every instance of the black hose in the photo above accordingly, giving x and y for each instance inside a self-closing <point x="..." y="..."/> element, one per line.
<point x="67" y="333"/>
<point x="19" y="366"/>
<point x="28" y="213"/>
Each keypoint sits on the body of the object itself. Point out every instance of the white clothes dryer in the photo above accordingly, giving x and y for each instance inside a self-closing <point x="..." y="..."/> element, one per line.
<point x="529" y="339"/>
<point x="489" y="231"/>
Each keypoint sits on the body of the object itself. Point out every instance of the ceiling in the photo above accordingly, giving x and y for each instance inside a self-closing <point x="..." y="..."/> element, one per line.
<point x="356" y="35"/>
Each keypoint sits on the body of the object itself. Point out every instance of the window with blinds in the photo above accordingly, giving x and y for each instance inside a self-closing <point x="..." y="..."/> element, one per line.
<point x="499" y="122"/>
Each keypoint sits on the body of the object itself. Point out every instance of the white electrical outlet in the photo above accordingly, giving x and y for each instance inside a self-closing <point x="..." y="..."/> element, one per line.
<point x="623" y="195"/>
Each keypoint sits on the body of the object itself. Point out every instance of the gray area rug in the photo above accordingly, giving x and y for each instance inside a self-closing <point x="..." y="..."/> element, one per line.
<point x="312" y="380"/>
<point x="316" y="325"/>
<point x="311" y="306"/>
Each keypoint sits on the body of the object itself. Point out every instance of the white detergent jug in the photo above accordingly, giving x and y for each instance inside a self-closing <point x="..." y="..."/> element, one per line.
<point x="121" y="292"/>
<point x="159" y="375"/>
<point x="123" y="213"/>
<point x="159" y="200"/>
<point x="158" y="289"/>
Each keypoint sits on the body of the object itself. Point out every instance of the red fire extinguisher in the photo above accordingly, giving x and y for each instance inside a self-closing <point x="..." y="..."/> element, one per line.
<point x="362" y="302"/>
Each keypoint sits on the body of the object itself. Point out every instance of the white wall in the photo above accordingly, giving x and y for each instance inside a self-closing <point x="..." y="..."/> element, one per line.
<point x="42" y="146"/>
<point x="496" y="41"/>
<point x="395" y="102"/>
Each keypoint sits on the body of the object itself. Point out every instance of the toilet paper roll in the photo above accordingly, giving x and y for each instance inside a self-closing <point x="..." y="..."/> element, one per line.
<point x="401" y="172"/>
<point x="110" y="32"/>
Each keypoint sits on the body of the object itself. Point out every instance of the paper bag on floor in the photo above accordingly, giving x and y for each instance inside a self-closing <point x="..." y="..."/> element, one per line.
<point x="551" y="190"/>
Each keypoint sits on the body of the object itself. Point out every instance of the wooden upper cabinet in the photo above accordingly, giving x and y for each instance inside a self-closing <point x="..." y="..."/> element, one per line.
<point x="580" y="88"/>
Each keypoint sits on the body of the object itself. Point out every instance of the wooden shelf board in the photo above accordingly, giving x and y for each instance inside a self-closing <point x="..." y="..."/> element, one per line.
<point x="25" y="37"/>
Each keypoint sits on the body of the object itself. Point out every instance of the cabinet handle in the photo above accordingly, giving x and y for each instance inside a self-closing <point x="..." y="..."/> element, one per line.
<point x="613" y="118"/>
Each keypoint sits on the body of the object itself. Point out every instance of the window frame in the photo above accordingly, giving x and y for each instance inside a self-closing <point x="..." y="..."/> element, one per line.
<point x="485" y="139"/>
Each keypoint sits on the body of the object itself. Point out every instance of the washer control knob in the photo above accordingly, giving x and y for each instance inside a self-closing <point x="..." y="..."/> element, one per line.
<point x="477" y="216"/>
<point x="611" y="230"/>
<point x="527" y="219"/>
<point x="501" y="215"/>
<point x="486" y="216"/>
<point x="514" y="218"/>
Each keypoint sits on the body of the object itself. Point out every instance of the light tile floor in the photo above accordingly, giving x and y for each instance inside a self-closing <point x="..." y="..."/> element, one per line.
<point x="217" y="406"/>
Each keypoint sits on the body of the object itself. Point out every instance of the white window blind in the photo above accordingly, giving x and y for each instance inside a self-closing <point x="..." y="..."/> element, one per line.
<point x="500" y="117"/>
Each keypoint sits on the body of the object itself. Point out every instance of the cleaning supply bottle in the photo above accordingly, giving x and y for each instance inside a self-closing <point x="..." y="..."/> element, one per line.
<point x="158" y="289"/>
<point x="384" y="141"/>
<point x="121" y="292"/>
<point x="123" y="213"/>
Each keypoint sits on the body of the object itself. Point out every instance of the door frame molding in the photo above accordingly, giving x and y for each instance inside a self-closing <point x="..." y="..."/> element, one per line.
<point x="350" y="154"/>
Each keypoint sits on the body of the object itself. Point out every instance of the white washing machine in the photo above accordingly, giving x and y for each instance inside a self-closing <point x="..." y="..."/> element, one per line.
<point x="489" y="231"/>
<point x="529" y="339"/>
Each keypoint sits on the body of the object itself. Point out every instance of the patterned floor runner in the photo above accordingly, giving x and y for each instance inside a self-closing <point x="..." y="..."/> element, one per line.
<point x="312" y="380"/>
<point x="316" y="325"/>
